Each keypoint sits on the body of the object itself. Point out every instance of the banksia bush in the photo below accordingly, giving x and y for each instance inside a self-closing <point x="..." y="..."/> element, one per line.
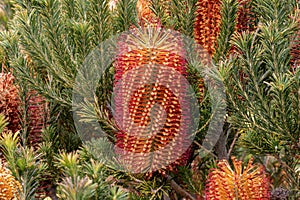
<point x="248" y="183"/>
<point x="9" y="186"/>
<point x="269" y="86"/>
<point x="142" y="100"/>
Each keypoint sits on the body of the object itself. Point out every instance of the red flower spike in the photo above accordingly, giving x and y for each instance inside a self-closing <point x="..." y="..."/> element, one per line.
<point x="295" y="50"/>
<point x="10" y="106"/>
<point x="150" y="88"/>
<point x="246" y="20"/>
<point x="207" y="24"/>
<point x="208" y="19"/>
<point x="10" y="101"/>
<point x="37" y="114"/>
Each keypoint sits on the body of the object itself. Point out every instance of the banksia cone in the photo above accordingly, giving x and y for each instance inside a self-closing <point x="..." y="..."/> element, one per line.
<point x="208" y="19"/>
<point x="295" y="50"/>
<point x="10" y="106"/>
<point x="207" y="24"/>
<point x="9" y="186"/>
<point x="37" y="114"/>
<point x="250" y="183"/>
<point x="10" y="101"/>
<point x="150" y="88"/>
<point x="246" y="19"/>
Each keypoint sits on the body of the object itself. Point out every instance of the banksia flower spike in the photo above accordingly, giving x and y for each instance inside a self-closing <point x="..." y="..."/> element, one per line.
<point x="208" y="19"/>
<point x="10" y="101"/>
<point x="146" y="77"/>
<point x="207" y="24"/>
<point x="9" y="186"/>
<point x="245" y="183"/>
<point x="37" y="114"/>
<point x="246" y="19"/>
<point x="150" y="88"/>
<point x="10" y="106"/>
<point x="295" y="50"/>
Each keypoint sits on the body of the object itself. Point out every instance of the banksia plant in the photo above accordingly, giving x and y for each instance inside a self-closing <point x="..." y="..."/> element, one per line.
<point x="265" y="102"/>
<point x="9" y="186"/>
<point x="248" y="183"/>
<point x="141" y="101"/>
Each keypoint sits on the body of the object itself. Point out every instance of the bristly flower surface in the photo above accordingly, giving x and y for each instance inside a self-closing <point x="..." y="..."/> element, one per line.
<point x="150" y="89"/>
<point x="207" y="24"/>
<point x="246" y="183"/>
<point x="9" y="186"/>
<point x="208" y="21"/>
<point x="10" y="101"/>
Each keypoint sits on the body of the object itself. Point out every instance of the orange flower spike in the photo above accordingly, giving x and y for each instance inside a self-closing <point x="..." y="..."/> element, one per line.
<point x="207" y="24"/>
<point x="136" y="64"/>
<point x="250" y="183"/>
<point x="208" y="21"/>
<point x="145" y="13"/>
<point x="9" y="186"/>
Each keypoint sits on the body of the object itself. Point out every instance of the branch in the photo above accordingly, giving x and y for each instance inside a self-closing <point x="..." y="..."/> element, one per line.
<point x="179" y="189"/>
<point x="232" y="144"/>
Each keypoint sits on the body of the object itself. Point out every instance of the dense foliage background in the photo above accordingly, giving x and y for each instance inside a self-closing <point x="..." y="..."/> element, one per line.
<point x="255" y="47"/>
